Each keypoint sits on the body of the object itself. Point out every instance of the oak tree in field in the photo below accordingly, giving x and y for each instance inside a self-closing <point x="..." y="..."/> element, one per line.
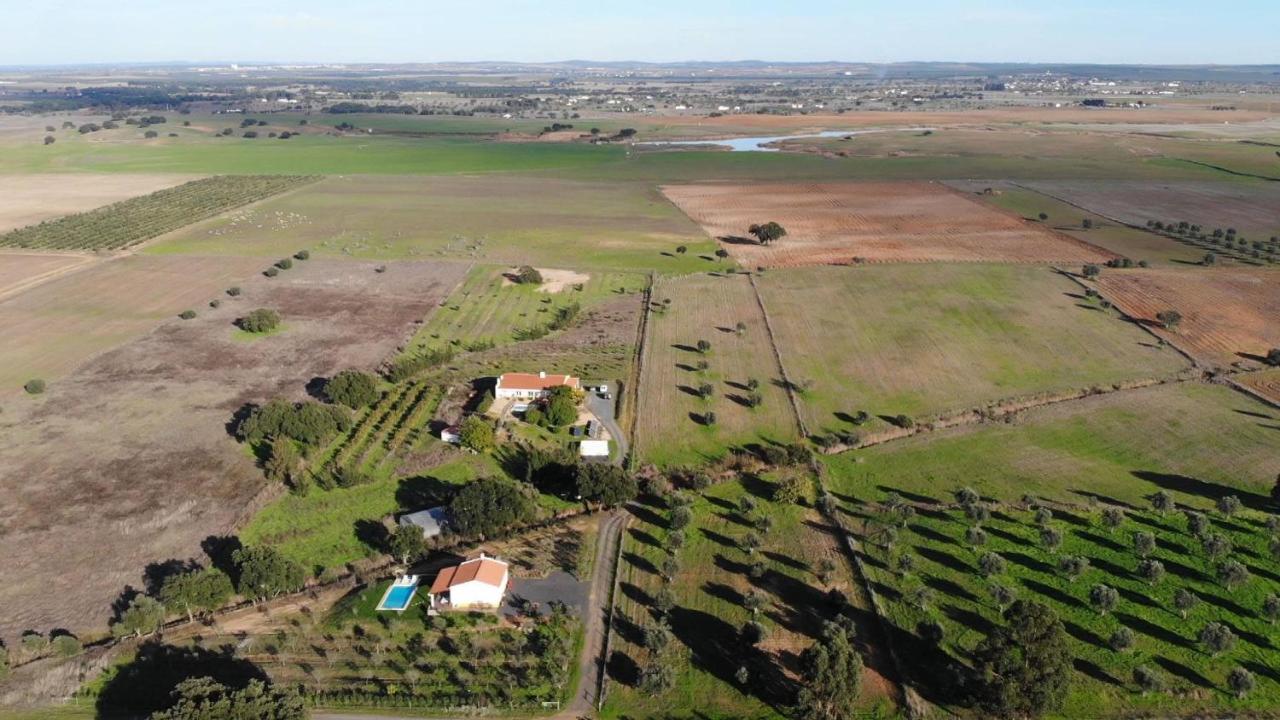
<point x="1144" y="543"/>
<point x="1169" y="319"/>
<point x="477" y="434"/>
<point x="1240" y="681"/>
<point x="406" y="542"/>
<point x="201" y="698"/>
<point x="196" y="591"/>
<point x="1184" y="600"/>
<point x="1217" y="638"/>
<point x="832" y="672"/>
<point x="353" y="388"/>
<point x="143" y="616"/>
<point x="1148" y="679"/>
<point x="1103" y="598"/>
<point x="264" y="572"/>
<point x="1025" y="665"/>
<point x="768" y="232"/>
<point x="490" y="506"/>
<point x="259" y="321"/>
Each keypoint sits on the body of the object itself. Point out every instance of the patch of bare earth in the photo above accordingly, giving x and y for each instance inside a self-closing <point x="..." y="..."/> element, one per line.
<point x="553" y="281"/>
<point x="22" y="270"/>
<point x="1229" y="316"/>
<point x="29" y="199"/>
<point x="1266" y="383"/>
<point x="836" y="223"/>
<point x="128" y="461"/>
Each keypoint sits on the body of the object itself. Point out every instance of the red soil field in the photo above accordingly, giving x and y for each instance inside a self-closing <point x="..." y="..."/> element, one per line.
<point x="1265" y="383"/>
<point x="833" y="223"/>
<point x="128" y="461"/>
<point x="1229" y="316"/>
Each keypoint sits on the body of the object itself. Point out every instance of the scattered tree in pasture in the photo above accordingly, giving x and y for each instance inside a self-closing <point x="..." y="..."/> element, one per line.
<point x="527" y="275"/>
<point x="303" y="254"/>
<point x="920" y="597"/>
<point x="1151" y="570"/>
<point x="1216" y="546"/>
<point x="1209" y="259"/>
<point x="1271" y="608"/>
<point x="670" y="568"/>
<point x="1197" y="523"/>
<point x="722" y="253"/>
<point x="659" y="675"/>
<point x="1228" y="505"/>
<point x="1184" y="600"/>
<point x="477" y="434"/>
<point x="1144" y="543"/>
<point x="1087" y="223"/>
<point x="767" y="233"/>
<point x="977" y="513"/>
<point x="832" y="672"/>
<point x="143" y="616"/>
<point x="1217" y="638"/>
<point x="1169" y="319"/>
<point x="825" y="569"/>
<point x="1073" y="566"/>
<point x="353" y="388"/>
<point x="1002" y="595"/>
<point x="704" y="346"/>
<point x="975" y="537"/>
<point x="307" y="422"/>
<point x="682" y="249"/>
<point x="64" y="645"/>
<point x="706" y="391"/>
<point x="1043" y="515"/>
<point x="1148" y="679"/>
<point x="1051" y="538"/>
<point x="1103" y="598"/>
<point x="966" y="496"/>
<point x="1232" y="574"/>
<point x="1091" y="271"/>
<point x="1026" y="664"/>
<point x="1162" y="501"/>
<point x="259" y="321"/>
<point x="49" y="139"/>
<point x="1240" y="681"/>
<point x="196" y="591"/>
<point x="34" y="386"/>
<point x="742" y="676"/>
<point x="1112" y="517"/>
<point x="657" y="636"/>
<point x="788" y="490"/>
<point x="753" y="601"/>
<point x="233" y="291"/>
<point x="680" y="518"/>
<point x="1274" y="547"/>
<point x="752" y="632"/>
<point x="1121" y="640"/>
<point x="1273" y="359"/>
<point x="664" y="601"/>
<point x="991" y="564"/>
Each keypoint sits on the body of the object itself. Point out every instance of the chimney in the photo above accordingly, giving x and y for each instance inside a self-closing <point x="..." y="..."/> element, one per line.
<point x="542" y="374"/>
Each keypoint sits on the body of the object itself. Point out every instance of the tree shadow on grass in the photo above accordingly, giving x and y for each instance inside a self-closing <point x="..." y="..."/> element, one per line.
<point x="723" y="592"/>
<point x="645" y="515"/>
<point x="1146" y="627"/>
<point x="716" y="648"/>
<point x="221" y="550"/>
<point x="949" y="588"/>
<point x="1028" y="562"/>
<point x="146" y="684"/>
<point x="1101" y="541"/>
<point x="719" y="539"/>
<point x="966" y="617"/>
<point x="1083" y="634"/>
<point x="1094" y="671"/>
<point x="908" y="495"/>
<point x="635" y="593"/>
<point x="944" y="559"/>
<point x="1005" y="534"/>
<point x="623" y="668"/>
<point x="1053" y="593"/>
<point x="1104" y="499"/>
<point x="1209" y="490"/>
<point x="628" y="629"/>
<point x="787" y="560"/>
<point x="644" y="538"/>
<point x="928" y="532"/>
<point x="1177" y="669"/>
<point x="1230" y="606"/>
<point x="414" y="493"/>
<point x="155" y="574"/>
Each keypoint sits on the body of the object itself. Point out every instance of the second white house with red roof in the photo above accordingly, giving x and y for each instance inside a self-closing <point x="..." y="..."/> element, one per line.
<point x="528" y="386"/>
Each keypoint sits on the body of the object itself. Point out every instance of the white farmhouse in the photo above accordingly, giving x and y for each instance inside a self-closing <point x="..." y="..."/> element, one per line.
<point x="474" y="584"/>
<point x="527" y="386"/>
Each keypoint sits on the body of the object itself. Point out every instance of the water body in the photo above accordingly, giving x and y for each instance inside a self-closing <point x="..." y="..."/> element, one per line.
<point x="760" y="144"/>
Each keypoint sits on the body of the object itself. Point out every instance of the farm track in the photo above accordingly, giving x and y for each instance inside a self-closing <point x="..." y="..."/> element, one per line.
<point x="790" y="385"/>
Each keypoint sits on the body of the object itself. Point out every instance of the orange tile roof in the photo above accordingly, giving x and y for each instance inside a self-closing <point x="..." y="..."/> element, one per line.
<point x="482" y="569"/>
<point x="533" y="381"/>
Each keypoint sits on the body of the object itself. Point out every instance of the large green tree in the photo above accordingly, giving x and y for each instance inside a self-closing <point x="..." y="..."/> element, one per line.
<point x="768" y="232"/>
<point x="608" y="485"/>
<point x="204" y="698"/>
<point x="264" y="572"/>
<point x="832" y="669"/>
<point x="197" y="591"/>
<point x="1025" y="665"/>
<point x="489" y="506"/>
<point x="353" y="388"/>
<point x="476" y="433"/>
<point x="144" y="616"/>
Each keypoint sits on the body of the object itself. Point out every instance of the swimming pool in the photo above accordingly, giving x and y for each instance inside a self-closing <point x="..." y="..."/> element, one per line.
<point x="399" y="594"/>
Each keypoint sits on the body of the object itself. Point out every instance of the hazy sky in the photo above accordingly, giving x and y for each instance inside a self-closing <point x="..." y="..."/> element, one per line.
<point x="1100" y="31"/>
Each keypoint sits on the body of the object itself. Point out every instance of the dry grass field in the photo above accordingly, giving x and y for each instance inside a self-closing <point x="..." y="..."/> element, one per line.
<point x="923" y="340"/>
<point x="22" y="270"/>
<point x="128" y="461"/>
<point x="1252" y="208"/>
<point x="833" y="223"/>
<point x="28" y="199"/>
<point x="55" y="326"/>
<point x="1265" y="382"/>
<point x="671" y="426"/>
<point x="1229" y="316"/>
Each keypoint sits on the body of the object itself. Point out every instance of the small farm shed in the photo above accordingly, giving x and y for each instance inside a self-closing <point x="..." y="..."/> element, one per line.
<point x="433" y="521"/>
<point x="593" y="448"/>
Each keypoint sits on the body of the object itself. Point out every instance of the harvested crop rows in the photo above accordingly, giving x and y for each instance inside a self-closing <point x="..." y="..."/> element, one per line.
<point x="834" y="223"/>
<point x="1228" y="315"/>
<point x="672" y="423"/>
<point x="132" y="221"/>
<point x="136" y="439"/>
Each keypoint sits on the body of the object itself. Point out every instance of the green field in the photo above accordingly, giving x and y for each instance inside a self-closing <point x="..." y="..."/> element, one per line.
<point x="959" y="598"/>
<point x="557" y="224"/>
<point x="490" y="309"/>
<point x="926" y="339"/>
<point x="1188" y="437"/>
<point x="1120" y="239"/>
<point x="713" y="579"/>
<point x="319" y="530"/>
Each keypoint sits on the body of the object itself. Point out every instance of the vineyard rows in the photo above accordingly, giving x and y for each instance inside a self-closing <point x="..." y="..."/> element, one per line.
<point x="395" y="422"/>
<point x="135" y="220"/>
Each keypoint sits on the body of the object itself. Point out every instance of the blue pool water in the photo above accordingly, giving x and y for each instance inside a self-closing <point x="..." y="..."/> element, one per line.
<point x="397" y="598"/>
